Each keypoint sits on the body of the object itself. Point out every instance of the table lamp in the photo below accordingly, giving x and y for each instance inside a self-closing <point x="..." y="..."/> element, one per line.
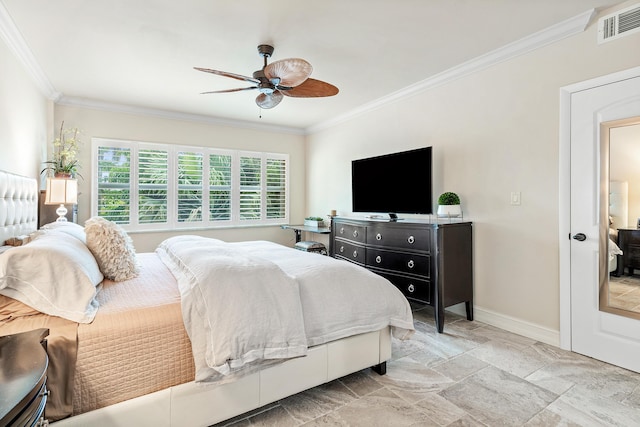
<point x="61" y="191"/>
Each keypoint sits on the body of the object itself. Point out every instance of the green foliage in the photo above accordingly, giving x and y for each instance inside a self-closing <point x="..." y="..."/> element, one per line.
<point x="448" y="198"/>
<point x="314" y="218"/>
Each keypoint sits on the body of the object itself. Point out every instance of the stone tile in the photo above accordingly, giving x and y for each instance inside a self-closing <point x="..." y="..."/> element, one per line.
<point x="591" y="374"/>
<point x="318" y="401"/>
<point x="548" y="418"/>
<point x="460" y="367"/>
<point x="360" y="383"/>
<point x="588" y="407"/>
<point x="411" y="380"/>
<point x="517" y="360"/>
<point x="275" y="417"/>
<point x="382" y="408"/>
<point x="496" y="397"/>
<point x="496" y="334"/>
<point x="440" y="410"/>
<point x="466" y="422"/>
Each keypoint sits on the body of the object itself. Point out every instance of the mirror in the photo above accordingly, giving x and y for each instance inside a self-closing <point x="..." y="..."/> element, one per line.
<point x="620" y="218"/>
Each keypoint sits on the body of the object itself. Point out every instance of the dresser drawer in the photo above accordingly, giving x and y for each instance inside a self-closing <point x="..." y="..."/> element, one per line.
<point x="399" y="261"/>
<point x="350" y="251"/>
<point x="356" y="233"/>
<point x="417" y="239"/>
<point x="418" y="289"/>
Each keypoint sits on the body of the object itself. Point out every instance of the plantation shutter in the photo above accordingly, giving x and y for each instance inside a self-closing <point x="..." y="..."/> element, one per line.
<point x="276" y="188"/>
<point x="220" y="187"/>
<point x="153" y="187"/>
<point x="190" y="174"/>
<point x="250" y="188"/>
<point x="113" y="176"/>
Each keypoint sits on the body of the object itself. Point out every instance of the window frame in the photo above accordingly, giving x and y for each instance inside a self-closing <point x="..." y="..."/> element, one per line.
<point x="172" y="150"/>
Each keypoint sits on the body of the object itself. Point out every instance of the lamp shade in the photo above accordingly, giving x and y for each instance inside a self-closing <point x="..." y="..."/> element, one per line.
<point x="61" y="191"/>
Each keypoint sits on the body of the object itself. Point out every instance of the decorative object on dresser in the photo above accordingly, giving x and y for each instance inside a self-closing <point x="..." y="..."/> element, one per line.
<point x="23" y="378"/>
<point x="430" y="262"/>
<point x="449" y="205"/>
<point x="629" y="243"/>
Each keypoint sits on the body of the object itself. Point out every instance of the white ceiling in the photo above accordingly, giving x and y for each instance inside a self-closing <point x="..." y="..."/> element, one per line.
<point x="141" y="53"/>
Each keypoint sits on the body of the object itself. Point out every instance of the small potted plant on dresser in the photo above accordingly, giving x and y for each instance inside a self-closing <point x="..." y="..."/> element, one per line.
<point x="314" y="221"/>
<point x="449" y="205"/>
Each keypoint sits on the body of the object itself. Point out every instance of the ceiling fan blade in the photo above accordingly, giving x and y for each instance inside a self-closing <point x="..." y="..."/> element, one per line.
<point x="227" y="74"/>
<point x="311" y="88"/>
<point x="291" y="72"/>
<point x="266" y="101"/>
<point x="230" y="90"/>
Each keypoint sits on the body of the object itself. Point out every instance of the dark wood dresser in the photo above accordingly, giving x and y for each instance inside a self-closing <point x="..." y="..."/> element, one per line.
<point x="430" y="262"/>
<point x="23" y="378"/>
<point x="629" y="243"/>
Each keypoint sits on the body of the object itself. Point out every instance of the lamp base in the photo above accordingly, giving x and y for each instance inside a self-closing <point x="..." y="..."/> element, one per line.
<point x="62" y="213"/>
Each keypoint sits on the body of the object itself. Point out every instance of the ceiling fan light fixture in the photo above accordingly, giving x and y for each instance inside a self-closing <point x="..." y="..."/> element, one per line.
<point x="284" y="77"/>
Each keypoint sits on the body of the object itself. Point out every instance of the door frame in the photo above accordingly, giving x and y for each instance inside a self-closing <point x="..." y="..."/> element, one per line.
<point x="564" y="193"/>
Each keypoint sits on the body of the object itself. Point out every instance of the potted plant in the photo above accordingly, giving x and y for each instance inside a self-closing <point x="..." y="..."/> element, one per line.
<point x="314" y="221"/>
<point x="65" y="149"/>
<point x="449" y="205"/>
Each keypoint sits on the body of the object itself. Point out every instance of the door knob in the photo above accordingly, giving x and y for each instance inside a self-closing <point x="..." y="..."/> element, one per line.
<point x="580" y="237"/>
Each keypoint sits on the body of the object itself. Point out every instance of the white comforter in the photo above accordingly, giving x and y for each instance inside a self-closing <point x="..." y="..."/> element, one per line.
<point x="250" y="303"/>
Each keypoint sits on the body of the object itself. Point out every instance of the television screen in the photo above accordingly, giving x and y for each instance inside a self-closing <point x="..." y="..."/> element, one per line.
<point x="393" y="183"/>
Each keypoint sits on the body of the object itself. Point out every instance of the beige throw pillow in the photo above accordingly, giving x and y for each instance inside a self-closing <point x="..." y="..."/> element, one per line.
<point x="112" y="248"/>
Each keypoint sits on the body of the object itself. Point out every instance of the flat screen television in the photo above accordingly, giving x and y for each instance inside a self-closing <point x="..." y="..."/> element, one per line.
<point x="393" y="183"/>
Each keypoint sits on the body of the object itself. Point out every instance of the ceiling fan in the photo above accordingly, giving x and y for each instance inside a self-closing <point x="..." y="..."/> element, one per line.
<point x="288" y="77"/>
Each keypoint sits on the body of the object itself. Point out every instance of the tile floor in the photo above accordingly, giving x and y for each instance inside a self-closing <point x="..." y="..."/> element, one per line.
<point x="472" y="375"/>
<point x="624" y="292"/>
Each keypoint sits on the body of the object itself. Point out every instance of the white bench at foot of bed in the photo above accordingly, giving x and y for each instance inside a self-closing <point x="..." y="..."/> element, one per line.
<point x="193" y="404"/>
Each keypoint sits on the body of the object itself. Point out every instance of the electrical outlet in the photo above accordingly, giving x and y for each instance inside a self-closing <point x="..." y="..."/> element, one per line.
<point x="515" y="198"/>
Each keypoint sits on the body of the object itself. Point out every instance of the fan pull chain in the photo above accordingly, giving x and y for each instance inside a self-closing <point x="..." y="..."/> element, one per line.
<point x="259" y="112"/>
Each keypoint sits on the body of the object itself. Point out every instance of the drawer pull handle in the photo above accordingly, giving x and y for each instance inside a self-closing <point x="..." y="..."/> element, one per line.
<point x="411" y="288"/>
<point x="341" y="230"/>
<point x="355" y="233"/>
<point x="355" y="254"/>
<point x="378" y="236"/>
<point x="341" y="249"/>
<point x="378" y="259"/>
<point x="411" y="264"/>
<point x="411" y="239"/>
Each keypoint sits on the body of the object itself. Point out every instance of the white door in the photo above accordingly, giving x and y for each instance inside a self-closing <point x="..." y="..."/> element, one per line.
<point x="605" y="336"/>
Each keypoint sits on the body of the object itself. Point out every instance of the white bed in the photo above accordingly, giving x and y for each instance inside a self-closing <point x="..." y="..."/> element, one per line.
<point x="183" y="402"/>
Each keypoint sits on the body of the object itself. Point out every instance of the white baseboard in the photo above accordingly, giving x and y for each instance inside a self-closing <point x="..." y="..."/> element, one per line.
<point x="511" y="324"/>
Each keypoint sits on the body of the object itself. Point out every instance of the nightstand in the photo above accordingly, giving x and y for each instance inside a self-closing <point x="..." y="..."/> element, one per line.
<point x="629" y="243"/>
<point x="23" y="378"/>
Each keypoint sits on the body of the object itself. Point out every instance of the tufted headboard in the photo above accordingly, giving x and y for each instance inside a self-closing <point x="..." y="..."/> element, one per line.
<point x="18" y="205"/>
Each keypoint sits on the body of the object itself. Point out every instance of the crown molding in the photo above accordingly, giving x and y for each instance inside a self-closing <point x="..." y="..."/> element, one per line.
<point x="14" y="40"/>
<point x="173" y="115"/>
<point x="547" y="36"/>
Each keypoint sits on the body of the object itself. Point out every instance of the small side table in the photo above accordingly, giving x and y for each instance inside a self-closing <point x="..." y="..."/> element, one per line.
<point x="300" y="228"/>
<point x="23" y="378"/>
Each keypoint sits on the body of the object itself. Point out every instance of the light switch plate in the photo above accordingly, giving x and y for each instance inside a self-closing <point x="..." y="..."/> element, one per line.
<point x="515" y="198"/>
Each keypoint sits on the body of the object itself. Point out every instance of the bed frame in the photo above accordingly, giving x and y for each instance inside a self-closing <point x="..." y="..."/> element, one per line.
<point x="192" y="404"/>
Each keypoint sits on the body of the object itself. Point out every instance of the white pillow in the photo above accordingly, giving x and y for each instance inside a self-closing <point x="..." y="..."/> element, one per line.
<point x="112" y="247"/>
<point x="55" y="274"/>
<point x="70" y="228"/>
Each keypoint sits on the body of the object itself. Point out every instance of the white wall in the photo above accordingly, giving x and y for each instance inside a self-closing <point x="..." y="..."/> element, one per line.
<point x="100" y="123"/>
<point x="492" y="133"/>
<point x="24" y="114"/>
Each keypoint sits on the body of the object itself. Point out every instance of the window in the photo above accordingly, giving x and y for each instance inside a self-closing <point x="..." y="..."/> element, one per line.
<point x="161" y="186"/>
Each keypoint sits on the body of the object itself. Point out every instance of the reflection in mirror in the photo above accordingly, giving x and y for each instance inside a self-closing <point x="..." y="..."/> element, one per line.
<point x="620" y="218"/>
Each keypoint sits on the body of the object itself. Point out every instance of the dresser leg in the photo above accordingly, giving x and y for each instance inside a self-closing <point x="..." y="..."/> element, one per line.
<point x="469" y="306"/>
